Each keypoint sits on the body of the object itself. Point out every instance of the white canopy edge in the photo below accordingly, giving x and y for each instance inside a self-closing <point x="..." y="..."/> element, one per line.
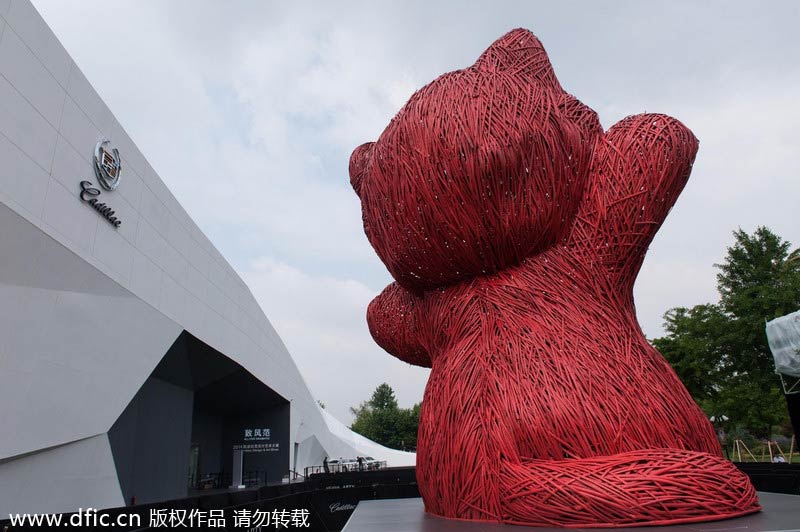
<point x="783" y="335"/>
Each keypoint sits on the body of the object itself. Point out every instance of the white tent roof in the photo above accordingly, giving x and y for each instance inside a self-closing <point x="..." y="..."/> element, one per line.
<point x="783" y="335"/>
<point x="367" y="447"/>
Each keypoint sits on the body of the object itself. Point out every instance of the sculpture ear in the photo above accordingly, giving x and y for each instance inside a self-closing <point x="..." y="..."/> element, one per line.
<point x="359" y="161"/>
<point x="522" y="53"/>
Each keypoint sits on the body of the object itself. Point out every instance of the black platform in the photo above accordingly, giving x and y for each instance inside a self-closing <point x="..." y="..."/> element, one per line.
<point x="781" y="513"/>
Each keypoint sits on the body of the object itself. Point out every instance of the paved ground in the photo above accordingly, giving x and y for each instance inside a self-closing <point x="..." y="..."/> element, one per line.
<point x="781" y="513"/>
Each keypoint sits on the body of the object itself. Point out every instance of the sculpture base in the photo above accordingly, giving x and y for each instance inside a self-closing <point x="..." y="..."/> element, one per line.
<point x="781" y="513"/>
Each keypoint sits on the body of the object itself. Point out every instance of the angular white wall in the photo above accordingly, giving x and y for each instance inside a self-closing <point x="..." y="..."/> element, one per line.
<point x="61" y="479"/>
<point x="87" y="310"/>
<point x="75" y="345"/>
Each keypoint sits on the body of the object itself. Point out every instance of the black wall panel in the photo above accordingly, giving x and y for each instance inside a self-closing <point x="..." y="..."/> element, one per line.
<point x="150" y="442"/>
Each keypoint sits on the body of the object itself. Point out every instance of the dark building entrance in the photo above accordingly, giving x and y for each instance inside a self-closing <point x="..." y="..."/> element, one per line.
<point x="188" y="419"/>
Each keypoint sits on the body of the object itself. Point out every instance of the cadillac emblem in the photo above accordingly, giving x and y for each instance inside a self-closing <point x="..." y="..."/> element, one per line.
<point x="107" y="165"/>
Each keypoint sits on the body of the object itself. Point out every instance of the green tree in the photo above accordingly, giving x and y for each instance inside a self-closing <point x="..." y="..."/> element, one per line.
<point x="720" y="351"/>
<point x="383" y="398"/>
<point x="383" y="421"/>
<point x="756" y="283"/>
<point x="691" y="347"/>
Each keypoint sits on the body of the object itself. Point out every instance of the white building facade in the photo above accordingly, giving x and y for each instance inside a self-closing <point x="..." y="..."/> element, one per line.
<point x="130" y="350"/>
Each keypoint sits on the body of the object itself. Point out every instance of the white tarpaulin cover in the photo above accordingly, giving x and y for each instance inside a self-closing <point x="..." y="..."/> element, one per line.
<point x="783" y="335"/>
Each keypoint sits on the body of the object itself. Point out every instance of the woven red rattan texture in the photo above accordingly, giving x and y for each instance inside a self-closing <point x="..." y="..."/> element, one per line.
<point x="515" y="228"/>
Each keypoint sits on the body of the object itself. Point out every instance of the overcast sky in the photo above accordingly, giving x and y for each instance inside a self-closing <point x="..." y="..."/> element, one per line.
<point x="249" y="112"/>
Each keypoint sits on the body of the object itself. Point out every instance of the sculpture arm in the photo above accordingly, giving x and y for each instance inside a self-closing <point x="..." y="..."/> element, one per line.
<point x="639" y="168"/>
<point x="393" y="319"/>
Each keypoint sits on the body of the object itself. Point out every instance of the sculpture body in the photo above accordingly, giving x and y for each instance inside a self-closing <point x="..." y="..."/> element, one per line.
<point x="515" y="228"/>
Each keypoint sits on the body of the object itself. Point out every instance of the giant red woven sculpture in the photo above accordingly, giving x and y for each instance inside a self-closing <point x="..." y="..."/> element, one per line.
<point x="515" y="228"/>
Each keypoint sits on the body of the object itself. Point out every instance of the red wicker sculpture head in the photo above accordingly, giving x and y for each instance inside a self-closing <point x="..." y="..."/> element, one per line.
<point x="453" y="189"/>
<point x="515" y="228"/>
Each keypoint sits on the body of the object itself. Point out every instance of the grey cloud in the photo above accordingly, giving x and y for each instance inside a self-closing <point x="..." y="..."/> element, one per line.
<point x="256" y="105"/>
